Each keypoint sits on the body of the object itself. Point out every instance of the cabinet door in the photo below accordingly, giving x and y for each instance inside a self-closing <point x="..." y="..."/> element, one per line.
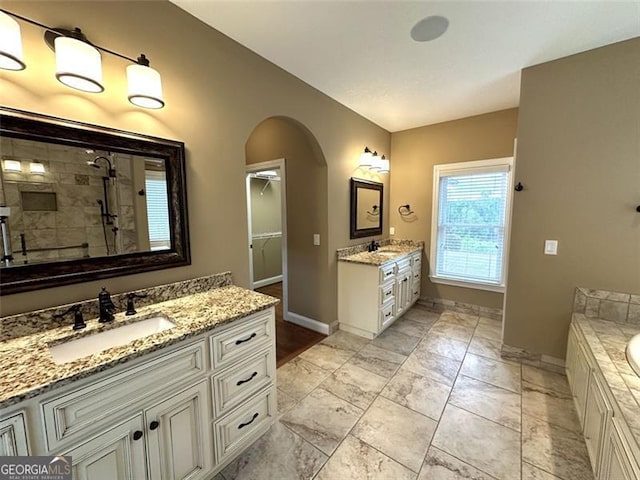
<point x="580" y="381"/>
<point x="403" y="292"/>
<point x="571" y="358"/>
<point x="113" y="455"/>
<point x="178" y="436"/>
<point x="616" y="464"/>
<point x="597" y="413"/>
<point x="13" y="437"/>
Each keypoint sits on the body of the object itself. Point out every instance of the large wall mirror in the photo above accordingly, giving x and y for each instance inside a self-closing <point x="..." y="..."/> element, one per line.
<point x="366" y="208"/>
<point x="81" y="202"/>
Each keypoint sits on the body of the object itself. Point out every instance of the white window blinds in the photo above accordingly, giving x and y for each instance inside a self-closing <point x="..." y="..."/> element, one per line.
<point x="157" y="209"/>
<point x="471" y="222"/>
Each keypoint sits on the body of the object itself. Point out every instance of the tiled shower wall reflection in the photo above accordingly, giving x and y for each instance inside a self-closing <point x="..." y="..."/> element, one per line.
<point x="75" y="218"/>
<point x="611" y="306"/>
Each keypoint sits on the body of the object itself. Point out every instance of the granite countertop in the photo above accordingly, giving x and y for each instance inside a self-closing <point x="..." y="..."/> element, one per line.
<point x="377" y="258"/>
<point x="28" y="368"/>
<point x="608" y="341"/>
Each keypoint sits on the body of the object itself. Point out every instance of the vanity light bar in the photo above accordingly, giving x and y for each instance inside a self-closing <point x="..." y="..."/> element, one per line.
<point x="79" y="62"/>
<point x="373" y="161"/>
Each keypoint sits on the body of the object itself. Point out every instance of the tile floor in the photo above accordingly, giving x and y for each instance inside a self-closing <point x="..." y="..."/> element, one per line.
<point x="428" y="399"/>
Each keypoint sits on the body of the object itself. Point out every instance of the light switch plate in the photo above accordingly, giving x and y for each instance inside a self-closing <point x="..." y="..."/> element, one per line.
<point x="316" y="239"/>
<point x="551" y="247"/>
<point x="392" y="230"/>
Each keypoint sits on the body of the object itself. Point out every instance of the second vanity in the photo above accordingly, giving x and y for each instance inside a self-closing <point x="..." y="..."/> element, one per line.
<point x="376" y="288"/>
<point x="179" y="403"/>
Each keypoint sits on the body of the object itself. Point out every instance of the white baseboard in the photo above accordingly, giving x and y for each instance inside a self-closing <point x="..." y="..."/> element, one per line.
<point x="307" y="322"/>
<point x="267" y="281"/>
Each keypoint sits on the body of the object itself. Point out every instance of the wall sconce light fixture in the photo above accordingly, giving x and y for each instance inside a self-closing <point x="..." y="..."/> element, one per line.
<point x="12" y="165"/>
<point x="79" y="62"/>
<point x="37" y="168"/>
<point x="373" y="161"/>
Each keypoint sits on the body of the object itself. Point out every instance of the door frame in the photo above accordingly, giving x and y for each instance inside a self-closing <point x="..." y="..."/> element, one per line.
<point x="256" y="167"/>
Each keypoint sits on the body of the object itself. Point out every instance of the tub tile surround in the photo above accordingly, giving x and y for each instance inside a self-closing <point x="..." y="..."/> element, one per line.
<point x="28" y="368"/>
<point x="609" y="306"/>
<point x="420" y="416"/>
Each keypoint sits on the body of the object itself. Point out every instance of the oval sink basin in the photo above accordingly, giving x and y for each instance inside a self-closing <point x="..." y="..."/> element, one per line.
<point x="386" y="252"/>
<point x="633" y="353"/>
<point x="83" y="347"/>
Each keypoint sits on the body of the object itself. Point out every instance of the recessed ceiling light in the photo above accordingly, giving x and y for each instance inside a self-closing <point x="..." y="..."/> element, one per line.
<point x="429" y="28"/>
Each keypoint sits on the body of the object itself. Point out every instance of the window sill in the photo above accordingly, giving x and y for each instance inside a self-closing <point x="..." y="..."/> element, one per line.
<point x="466" y="284"/>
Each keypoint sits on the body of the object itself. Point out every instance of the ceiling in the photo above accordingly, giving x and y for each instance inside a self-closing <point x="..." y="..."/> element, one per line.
<point x="361" y="53"/>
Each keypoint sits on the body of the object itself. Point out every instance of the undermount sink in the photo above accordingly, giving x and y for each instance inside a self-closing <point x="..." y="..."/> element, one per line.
<point x="633" y="353"/>
<point x="83" y="347"/>
<point x="387" y="252"/>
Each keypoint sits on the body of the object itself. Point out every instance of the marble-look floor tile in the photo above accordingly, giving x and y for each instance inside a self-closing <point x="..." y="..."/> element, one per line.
<point x="355" y="385"/>
<point x="544" y="378"/>
<point x="456" y="332"/>
<point x="500" y="374"/>
<point x="396" y="342"/>
<point x="322" y="419"/>
<point x="327" y="357"/>
<point x="433" y="366"/>
<point x="378" y="360"/>
<point x="285" y="402"/>
<point x="345" y="341"/>
<point x="555" y="449"/>
<point x="421" y="315"/>
<point x="418" y="393"/>
<point x="279" y="454"/>
<point x="439" y="465"/>
<point x="485" y="347"/>
<point x="219" y="476"/>
<point x="481" y="443"/>
<point x="355" y="460"/>
<point x="549" y="405"/>
<point x="396" y="431"/>
<point x="410" y="327"/>
<point x="445" y="346"/>
<point x="297" y="377"/>
<point x="489" y="328"/>
<point x="530" y="472"/>
<point x="491" y="402"/>
<point x="462" y="319"/>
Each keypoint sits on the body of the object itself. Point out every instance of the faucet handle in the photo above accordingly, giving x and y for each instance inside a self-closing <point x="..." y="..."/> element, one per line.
<point x="131" y="309"/>
<point x="78" y="320"/>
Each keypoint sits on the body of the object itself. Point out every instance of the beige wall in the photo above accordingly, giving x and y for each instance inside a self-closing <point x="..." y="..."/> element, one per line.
<point x="216" y="92"/>
<point x="579" y="160"/>
<point x="414" y="153"/>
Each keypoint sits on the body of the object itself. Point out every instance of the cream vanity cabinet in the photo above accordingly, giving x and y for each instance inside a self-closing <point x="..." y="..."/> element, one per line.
<point x="182" y="412"/>
<point x="611" y="447"/>
<point x="13" y="436"/>
<point x="371" y="297"/>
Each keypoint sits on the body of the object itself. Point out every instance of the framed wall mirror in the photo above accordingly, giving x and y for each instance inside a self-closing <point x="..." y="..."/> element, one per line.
<point x="81" y="202"/>
<point x="366" y="208"/>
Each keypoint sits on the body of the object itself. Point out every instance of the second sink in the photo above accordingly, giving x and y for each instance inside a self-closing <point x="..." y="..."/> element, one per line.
<point x="83" y="347"/>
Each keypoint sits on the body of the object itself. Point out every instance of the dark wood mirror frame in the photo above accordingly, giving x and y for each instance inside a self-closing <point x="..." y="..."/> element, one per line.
<point x="31" y="126"/>
<point x="355" y="232"/>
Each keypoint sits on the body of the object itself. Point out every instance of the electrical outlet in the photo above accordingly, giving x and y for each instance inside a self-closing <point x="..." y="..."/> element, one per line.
<point x="316" y="239"/>
<point x="551" y="247"/>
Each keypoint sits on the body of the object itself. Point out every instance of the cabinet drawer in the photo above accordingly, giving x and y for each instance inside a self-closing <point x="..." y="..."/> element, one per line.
<point x="416" y="261"/>
<point x="386" y="314"/>
<point x="403" y="264"/>
<point x="387" y="273"/>
<point x="13" y="436"/>
<point x="386" y="293"/>
<point x="241" y="426"/>
<point x="243" y="340"/>
<point x="415" y="290"/>
<point x="68" y="416"/>
<point x="233" y="386"/>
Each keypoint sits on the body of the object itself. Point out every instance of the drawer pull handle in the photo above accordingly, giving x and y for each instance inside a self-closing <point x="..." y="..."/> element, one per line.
<point x="240" y="382"/>
<point x="153" y="425"/>
<point x="416" y="293"/>
<point x="387" y="315"/>
<point x="238" y="342"/>
<point x="404" y="280"/>
<point x="387" y="294"/>
<point x="137" y="435"/>
<point x="242" y="425"/>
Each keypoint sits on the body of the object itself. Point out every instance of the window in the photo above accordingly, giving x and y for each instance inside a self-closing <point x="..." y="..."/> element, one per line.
<point x="157" y="209"/>
<point x="470" y="223"/>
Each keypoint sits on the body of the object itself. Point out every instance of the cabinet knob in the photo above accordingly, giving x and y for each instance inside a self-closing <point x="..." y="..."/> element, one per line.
<point x="137" y="435"/>
<point x="153" y="425"/>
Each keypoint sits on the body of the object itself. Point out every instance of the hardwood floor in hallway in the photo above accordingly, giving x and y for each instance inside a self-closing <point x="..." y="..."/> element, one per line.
<point x="291" y="339"/>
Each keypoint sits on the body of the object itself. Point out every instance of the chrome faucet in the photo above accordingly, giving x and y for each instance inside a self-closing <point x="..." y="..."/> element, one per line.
<point x="105" y="306"/>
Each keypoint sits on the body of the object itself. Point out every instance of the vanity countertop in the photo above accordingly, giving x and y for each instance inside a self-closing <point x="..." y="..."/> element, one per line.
<point x="28" y="368"/>
<point x="379" y="257"/>
<point x="607" y="341"/>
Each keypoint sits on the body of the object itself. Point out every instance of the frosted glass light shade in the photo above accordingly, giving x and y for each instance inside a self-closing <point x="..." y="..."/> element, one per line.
<point x="375" y="162"/>
<point x="10" y="44"/>
<point x="36" y="167"/>
<point x="78" y="65"/>
<point x="12" y="166"/>
<point x="144" y="86"/>
<point x="366" y="158"/>
<point x="383" y="165"/>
